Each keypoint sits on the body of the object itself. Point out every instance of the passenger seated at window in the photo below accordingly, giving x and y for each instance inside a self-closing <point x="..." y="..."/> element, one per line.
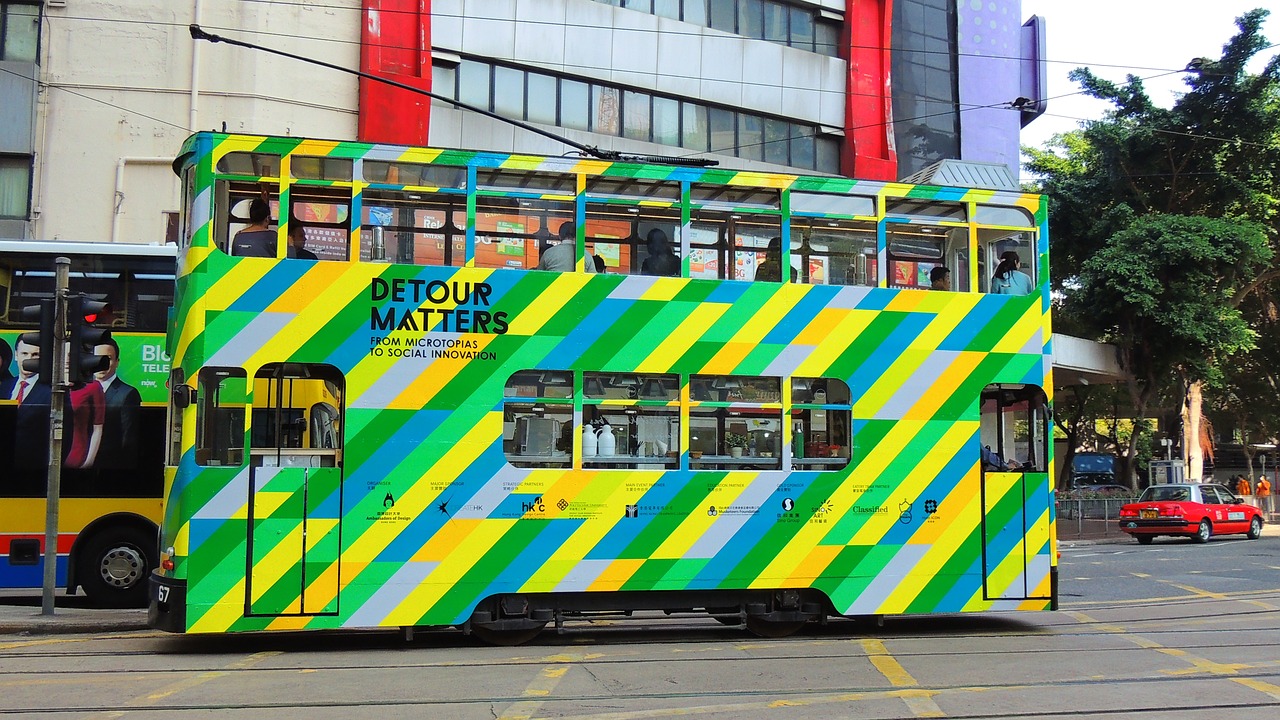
<point x="298" y="242"/>
<point x="770" y="269"/>
<point x="563" y="256"/>
<point x="257" y="239"/>
<point x="1008" y="279"/>
<point x="662" y="260"/>
<point x="940" y="278"/>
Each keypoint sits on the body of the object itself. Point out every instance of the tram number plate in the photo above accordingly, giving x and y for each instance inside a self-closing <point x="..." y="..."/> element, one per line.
<point x="162" y="593"/>
<point x="1151" y="514"/>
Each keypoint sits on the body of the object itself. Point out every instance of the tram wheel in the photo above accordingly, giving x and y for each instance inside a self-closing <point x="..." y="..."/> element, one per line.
<point x="773" y="628"/>
<point x="504" y="637"/>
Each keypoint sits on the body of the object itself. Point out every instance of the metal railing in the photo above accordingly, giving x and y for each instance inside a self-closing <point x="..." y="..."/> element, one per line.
<point x="1089" y="518"/>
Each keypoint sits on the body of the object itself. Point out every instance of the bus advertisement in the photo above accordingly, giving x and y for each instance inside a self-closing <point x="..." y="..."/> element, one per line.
<point x="404" y="394"/>
<point x="113" y="443"/>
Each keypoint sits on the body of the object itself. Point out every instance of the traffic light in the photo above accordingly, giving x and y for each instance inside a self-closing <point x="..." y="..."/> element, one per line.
<point x="82" y="312"/>
<point x="37" y="356"/>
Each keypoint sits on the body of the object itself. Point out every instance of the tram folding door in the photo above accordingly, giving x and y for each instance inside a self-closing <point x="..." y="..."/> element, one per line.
<point x="295" y="485"/>
<point x="1015" y="533"/>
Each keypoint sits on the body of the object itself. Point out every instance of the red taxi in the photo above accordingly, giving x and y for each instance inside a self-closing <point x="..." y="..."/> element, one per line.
<point x="1189" y="510"/>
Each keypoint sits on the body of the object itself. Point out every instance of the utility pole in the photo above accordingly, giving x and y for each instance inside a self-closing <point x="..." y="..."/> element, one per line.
<point x="58" y="381"/>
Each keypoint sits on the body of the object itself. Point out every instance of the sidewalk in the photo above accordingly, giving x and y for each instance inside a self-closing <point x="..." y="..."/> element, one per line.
<point x="27" y="620"/>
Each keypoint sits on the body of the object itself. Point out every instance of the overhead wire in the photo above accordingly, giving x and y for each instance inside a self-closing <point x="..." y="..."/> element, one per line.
<point x="959" y="107"/>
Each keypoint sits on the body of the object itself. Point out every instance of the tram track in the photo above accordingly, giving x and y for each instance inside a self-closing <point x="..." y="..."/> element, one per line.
<point x="561" y="701"/>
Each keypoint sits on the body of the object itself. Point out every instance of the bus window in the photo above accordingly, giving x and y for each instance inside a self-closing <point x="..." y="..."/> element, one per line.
<point x="221" y="401"/>
<point x="1015" y="427"/>
<point x="820" y="416"/>
<point x="537" y="419"/>
<point x="413" y="228"/>
<point x="296" y="419"/>
<point x="829" y="251"/>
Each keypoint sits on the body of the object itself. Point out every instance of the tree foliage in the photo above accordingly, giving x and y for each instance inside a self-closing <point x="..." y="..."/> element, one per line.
<point x="1164" y="221"/>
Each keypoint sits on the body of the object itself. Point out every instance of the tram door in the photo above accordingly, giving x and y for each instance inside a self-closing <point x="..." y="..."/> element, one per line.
<point x="1016" y="497"/>
<point x="295" y="486"/>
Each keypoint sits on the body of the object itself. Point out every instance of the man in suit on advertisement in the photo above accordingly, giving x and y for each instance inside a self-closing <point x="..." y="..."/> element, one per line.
<point x="32" y="395"/>
<point x="119" y="447"/>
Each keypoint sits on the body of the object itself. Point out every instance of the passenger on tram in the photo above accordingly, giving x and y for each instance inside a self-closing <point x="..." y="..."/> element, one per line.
<point x="662" y="260"/>
<point x="563" y="256"/>
<point x="257" y="239"/>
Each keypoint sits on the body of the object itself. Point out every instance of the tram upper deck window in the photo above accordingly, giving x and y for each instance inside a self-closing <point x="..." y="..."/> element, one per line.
<point x="413" y="228"/>
<point x="731" y="229"/>
<point x="526" y="182"/>
<point x="326" y="214"/>
<point x="415" y="174"/>
<point x="250" y="164"/>
<point x="830" y="251"/>
<point x="312" y="167"/>
<point x="628" y="227"/>
<point x="512" y="232"/>
<point x="992" y="243"/>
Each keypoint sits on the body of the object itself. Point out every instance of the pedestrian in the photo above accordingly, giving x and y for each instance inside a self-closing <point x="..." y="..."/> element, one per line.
<point x="1242" y="485"/>
<point x="1263" y="493"/>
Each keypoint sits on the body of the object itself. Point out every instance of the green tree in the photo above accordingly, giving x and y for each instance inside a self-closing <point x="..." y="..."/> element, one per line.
<point x="1130" y="197"/>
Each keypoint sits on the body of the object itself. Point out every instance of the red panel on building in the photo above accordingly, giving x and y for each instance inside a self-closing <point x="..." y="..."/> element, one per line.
<point x="869" y="152"/>
<point x="395" y="43"/>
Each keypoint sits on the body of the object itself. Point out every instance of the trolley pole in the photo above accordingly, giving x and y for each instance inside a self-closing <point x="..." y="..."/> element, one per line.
<point x="58" y="382"/>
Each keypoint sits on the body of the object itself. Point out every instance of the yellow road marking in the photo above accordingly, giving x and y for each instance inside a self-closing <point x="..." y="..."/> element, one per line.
<point x="918" y="700"/>
<point x="82" y="639"/>
<point x="1262" y="687"/>
<point x="542" y="686"/>
<point x="1218" y="596"/>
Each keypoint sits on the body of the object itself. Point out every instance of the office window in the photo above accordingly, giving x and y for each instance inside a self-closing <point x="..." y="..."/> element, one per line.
<point x="473" y="83"/>
<point x="666" y="121"/>
<point x="19" y="32"/>
<point x="575" y="104"/>
<point x="508" y="92"/>
<point x="635" y="118"/>
<point x="15" y="185"/>
<point x="542" y="99"/>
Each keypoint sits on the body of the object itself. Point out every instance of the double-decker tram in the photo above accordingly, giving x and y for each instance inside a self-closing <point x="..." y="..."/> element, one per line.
<point x="417" y="387"/>
<point x="113" y="435"/>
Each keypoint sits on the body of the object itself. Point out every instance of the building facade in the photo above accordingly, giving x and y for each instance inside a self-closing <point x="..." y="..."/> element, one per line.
<point x="97" y="95"/>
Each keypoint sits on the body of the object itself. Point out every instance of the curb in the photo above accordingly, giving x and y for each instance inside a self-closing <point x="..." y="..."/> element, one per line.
<point x="26" y="620"/>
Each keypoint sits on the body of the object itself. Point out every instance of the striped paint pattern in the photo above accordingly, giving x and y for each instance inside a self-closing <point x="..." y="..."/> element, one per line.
<point x="468" y="525"/>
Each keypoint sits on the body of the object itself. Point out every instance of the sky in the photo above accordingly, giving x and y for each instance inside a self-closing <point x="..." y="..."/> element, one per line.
<point x="1142" y="37"/>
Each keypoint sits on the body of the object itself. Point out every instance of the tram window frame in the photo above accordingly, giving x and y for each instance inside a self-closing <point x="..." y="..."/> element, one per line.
<point x="1014" y="422"/>
<point x="908" y="267"/>
<point x="221" y="425"/>
<point x="804" y="250"/>
<point x="304" y="193"/>
<point x="231" y="203"/>
<point x="549" y="213"/>
<point x="627" y="402"/>
<point x="727" y="406"/>
<point x="528" y="397"/>
<point x="823" y="409"/>
<point x="283" y="435"/>
<point x="992" y="242"/>
<point x="451" y="240"/>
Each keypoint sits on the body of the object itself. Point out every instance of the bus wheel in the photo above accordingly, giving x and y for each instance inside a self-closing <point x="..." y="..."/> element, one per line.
<point x="114" y="566"/>
<point x="773" y="628"/>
